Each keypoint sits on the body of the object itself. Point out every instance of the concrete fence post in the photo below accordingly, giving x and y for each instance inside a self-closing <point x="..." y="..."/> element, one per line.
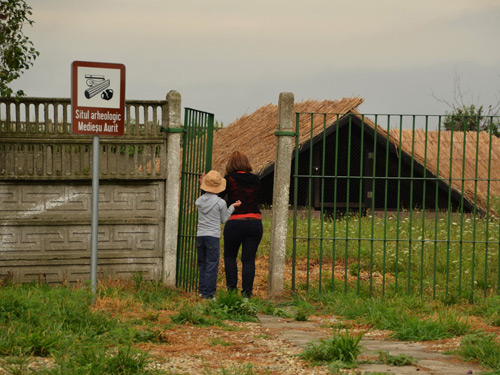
<point x="281" y="193"/>
<point x="173" y="121"/>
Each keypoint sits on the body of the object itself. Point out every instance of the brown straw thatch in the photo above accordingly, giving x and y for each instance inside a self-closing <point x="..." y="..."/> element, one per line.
<point x="477" y="178"/>
<point x="254" y="134"/>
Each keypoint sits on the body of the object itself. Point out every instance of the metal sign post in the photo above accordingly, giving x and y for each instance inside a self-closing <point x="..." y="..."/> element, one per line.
<point x="98" y="108"/>
<point x="95" y="213"/>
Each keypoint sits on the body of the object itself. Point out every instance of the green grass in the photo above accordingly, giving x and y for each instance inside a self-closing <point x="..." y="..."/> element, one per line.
<point x="62" y="324"/>
<point x="409" y="318"/>
<point x="228" y="305"/>
<point x="152" y="294"/>
<point x="40" y="320"/>
<point x="482" y="347"/>
<point x="395" y="360"/>
<point x="303" y="312"/>
<point x="193" y="315"/>
<point x="431" y="254"/>
<point x="58" y="322"/>
<point x="341" y="350"/>
<point x="489" y="308"/>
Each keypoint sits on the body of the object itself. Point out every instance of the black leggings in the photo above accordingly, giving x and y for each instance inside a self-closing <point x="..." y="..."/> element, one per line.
<point x="247" y="234"/>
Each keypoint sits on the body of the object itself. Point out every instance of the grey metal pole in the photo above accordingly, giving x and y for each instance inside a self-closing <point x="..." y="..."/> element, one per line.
<point x="95" y="213"/>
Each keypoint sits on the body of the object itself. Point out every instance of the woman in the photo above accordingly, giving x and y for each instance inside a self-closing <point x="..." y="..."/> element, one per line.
<point x="244" y="227"/>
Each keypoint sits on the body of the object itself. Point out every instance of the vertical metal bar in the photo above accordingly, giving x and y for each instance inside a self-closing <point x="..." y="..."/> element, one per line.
<point x="295" y="197"/>
<point x="386" y="188"/>
<point x="94" y="231"/>
<point x="475" y="213"/>
<point x="347" y="214"/>
<point x="209" y="148"/>
<point x="462" y="199"/>
<point x="486" y="235"/>
<point x="323" y="162"/>
<point x="374" y="173"/>
<point x="450" y="180"/>
<point x="334" y="229"/>
<point x="309" y="199"/>
<point x="360" y="212"/>
<point x="410" y="229"/>
<point x="398" y="204"/>
<point x="424" y="208"/>
<point x="436" y="211"/>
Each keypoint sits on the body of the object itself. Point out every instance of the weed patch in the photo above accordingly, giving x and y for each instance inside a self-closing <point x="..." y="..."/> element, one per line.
<point x="395" y="360"/>
<point x="482" y="347"/>
<point x="341" y="349"/>
<point x="192" y="315"/>
<point x="229" y="305"/>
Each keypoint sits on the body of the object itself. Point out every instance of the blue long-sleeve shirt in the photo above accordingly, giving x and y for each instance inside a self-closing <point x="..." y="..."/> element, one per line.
<point x="212" y="212"/>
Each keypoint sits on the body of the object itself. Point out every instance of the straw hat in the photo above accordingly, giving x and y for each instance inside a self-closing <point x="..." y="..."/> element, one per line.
<point x="213" y="182"/>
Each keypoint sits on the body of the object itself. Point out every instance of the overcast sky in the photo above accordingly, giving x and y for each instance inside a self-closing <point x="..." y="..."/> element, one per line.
<point x="230" y="57"/>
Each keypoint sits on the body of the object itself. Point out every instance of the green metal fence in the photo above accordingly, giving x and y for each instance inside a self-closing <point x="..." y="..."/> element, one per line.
<point x="196" y="159"/>
<point x="387" y="204"/>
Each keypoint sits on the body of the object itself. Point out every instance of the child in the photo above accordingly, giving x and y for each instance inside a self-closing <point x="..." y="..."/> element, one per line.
<point x="212" y="211"/>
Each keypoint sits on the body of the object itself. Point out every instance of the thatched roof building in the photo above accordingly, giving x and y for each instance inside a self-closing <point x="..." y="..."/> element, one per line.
<point x="465" y="162"/>
<point x="254" y="134"/>
<point x="399" y="157"/>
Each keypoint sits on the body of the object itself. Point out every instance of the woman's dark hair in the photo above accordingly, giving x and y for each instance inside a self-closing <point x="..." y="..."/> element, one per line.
<point x="238" y="161"/>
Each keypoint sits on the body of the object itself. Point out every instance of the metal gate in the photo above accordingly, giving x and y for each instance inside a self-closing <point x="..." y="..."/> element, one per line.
<point x="196" y="159"/>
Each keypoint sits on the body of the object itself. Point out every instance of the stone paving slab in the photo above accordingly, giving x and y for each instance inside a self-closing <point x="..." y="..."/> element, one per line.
<point x="427" y="362"/>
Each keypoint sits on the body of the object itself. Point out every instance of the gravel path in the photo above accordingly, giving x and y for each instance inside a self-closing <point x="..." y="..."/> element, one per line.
<point x="272" y="347"/>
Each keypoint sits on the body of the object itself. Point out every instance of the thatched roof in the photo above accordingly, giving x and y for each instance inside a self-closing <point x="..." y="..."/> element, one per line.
<point x="466" y="168"/>
<point x="424" y="150"/>
<point x="254" y="134"/>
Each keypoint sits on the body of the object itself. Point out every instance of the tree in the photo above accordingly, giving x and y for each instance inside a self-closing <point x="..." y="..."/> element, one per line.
<point x="17" y="52"/>
<point x="470" y="118"/>
<point x="465" y="116"/>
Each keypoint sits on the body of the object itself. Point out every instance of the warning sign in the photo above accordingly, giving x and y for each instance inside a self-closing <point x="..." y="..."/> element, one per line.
<point x="98" y="98"/>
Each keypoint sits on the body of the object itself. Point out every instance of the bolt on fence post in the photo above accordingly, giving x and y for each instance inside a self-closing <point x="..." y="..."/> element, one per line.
<point x="281" y="193"/>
